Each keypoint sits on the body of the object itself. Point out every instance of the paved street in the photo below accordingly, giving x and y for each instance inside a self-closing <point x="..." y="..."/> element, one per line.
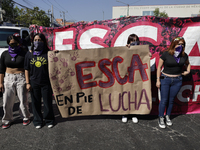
<point x="102" y="133"/>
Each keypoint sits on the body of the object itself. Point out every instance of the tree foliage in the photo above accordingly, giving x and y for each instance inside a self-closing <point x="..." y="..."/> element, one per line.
<point x="35" y="16"/>
<point x="24" y="16"/>
<point x="157" y="13"/>
<point x="11" y="13"/>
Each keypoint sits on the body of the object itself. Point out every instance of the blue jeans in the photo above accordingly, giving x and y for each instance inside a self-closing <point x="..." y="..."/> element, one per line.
<point x="169" y="88"/>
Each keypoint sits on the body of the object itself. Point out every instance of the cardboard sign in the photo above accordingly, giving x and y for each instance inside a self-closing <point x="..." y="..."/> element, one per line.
<point x="113" y="80"/>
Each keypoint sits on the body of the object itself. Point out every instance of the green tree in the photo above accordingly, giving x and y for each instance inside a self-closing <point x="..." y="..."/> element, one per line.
<point x="11" y="13"/>
<point x="157" y="13"/>
<point x="32" y="16"/>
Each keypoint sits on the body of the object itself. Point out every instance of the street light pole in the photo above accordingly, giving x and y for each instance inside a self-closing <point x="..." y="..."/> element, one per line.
<point x="128" y="10"/>
<point x="52" y="16"/>
<point x="63" y="17"/>
<point x="125" y="4"/>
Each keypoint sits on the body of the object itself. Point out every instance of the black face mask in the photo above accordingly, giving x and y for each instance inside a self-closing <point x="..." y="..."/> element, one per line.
<point x="134" y="43"/>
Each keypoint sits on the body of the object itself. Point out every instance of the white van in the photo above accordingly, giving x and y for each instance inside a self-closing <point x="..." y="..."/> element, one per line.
<point x="5" y="31"/>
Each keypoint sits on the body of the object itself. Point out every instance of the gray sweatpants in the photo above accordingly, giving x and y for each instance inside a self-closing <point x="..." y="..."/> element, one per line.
<point x="14" y="83"/>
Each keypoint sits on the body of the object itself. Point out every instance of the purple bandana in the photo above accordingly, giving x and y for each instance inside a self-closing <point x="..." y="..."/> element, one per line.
<point x="14" y="51"/>
<point x="177" y="52"/>
<point x="38" y="48"/>
<point x="37" y="53"/>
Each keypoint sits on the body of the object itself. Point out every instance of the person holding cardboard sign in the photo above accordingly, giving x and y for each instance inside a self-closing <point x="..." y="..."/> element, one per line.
<point x="37" y="81"/>
<point x="133" y="40"/>
<point x="170" y="80"/>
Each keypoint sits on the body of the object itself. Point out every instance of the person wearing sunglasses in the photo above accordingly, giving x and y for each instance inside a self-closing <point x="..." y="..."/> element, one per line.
<point x="169" y="81"/>
<point x="12" y="82"/>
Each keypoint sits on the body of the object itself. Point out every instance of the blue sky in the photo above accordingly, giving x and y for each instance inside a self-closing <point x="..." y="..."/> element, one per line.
<point x="90" y="10"/>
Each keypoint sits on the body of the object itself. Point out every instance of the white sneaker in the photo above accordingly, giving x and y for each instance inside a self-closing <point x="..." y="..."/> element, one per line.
<point x="135" y="119"/>
<point x="124" y="119"/>
<point x="38" y="127"/>
<point x="168" y="121"/>
<point x="161" y="122"/>
<point x="50" y="126"/>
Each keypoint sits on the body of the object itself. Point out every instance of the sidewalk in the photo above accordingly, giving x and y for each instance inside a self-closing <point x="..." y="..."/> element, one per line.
<point x="102" y="133"/>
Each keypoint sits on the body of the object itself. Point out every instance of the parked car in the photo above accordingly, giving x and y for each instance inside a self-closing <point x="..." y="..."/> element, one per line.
<point x="5" y="31"/>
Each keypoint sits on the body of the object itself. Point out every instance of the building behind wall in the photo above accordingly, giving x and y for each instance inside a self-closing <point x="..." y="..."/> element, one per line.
<point x="61" y="22"/>
<point x="186" y="10"/>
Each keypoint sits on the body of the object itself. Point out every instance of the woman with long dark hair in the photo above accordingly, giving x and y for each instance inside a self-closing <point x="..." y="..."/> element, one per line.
<point x="12" y="81"/>
<point x="38" y="83"/>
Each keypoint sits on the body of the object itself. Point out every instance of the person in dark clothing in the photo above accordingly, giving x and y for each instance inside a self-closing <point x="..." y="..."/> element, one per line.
<point x="170" y="80"/>
<point x="12" y="82"/>
<point x="38" y="83"/>
<point x="22" y="42"/>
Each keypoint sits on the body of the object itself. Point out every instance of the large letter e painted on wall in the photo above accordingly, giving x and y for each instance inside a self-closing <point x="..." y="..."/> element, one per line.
<point x="93" y="37"/>
<point x="64" y="39"/>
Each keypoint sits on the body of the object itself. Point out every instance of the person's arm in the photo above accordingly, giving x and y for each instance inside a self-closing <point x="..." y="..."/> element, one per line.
<point x="1" y="82"/>
<point x="187" y="63"/>
<point x="128" y="45"/>
<point x="160" y="64"/>
<point x="26" y="68"/>
<point x="28" y="85"/>
<point x="2" y="71"/>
